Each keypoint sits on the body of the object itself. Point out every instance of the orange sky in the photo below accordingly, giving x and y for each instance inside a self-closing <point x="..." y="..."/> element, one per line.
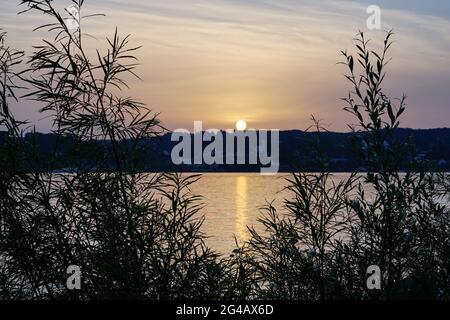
<point x="272" y="63"/>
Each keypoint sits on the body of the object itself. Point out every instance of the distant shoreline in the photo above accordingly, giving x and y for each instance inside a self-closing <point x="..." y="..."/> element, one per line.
<point x="296" y="152"/>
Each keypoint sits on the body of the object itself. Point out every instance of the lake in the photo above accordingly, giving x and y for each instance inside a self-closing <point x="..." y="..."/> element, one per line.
<point x="233" y="202"/>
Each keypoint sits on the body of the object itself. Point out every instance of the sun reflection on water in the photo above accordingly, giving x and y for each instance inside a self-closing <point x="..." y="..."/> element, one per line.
<point x="241" y="209"/>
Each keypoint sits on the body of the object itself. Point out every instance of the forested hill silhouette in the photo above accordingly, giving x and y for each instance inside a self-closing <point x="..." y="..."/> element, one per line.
<point x="432" y="146"/>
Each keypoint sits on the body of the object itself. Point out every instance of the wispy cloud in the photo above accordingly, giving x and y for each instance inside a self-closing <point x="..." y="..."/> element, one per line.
<point x="271" y="62"/>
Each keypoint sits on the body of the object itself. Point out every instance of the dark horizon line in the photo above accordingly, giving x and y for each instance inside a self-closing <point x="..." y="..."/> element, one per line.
<point x="253" y="130"/>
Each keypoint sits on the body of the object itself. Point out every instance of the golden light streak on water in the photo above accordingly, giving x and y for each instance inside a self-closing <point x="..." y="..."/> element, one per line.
<point x="241" y="209"/>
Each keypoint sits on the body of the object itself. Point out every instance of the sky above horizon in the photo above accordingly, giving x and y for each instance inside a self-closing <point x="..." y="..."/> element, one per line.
<point x="271" y="63"/>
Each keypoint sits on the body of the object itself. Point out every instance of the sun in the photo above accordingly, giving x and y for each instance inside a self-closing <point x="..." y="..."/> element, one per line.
<point x="241" y="125"/>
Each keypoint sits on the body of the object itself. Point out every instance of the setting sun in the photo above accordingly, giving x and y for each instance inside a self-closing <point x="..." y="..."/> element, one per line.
<point x="241" y="125"/>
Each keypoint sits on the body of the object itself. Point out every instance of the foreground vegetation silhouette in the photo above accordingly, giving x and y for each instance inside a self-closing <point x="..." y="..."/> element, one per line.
<point x="139" y="236"/>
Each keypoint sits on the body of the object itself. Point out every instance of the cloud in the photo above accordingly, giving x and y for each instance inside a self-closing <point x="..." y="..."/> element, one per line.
<point x="272" y="62"/>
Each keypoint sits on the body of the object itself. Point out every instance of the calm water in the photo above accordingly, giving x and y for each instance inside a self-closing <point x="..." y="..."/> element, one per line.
<point x="233" y="201"/>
